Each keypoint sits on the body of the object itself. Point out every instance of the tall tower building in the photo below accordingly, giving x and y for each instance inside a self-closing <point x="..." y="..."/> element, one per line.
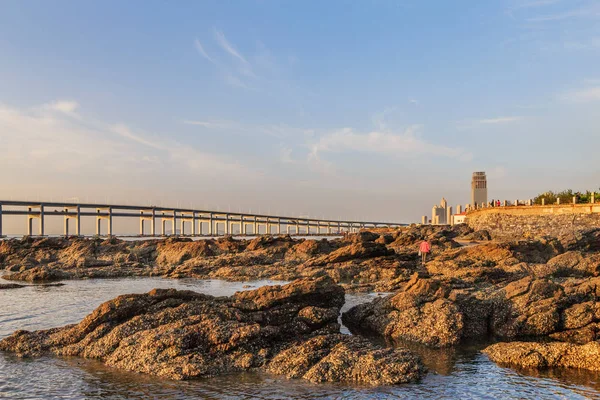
<point x="478" y="189"/>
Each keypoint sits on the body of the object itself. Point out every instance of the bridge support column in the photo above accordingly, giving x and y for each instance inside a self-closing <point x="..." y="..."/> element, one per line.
<point x="210" y="225"/>
<point x="227" y="224"/>
<point x="29" y="223"/>
<point x="182" y="229"/>
<point x="141" y="223"/>
<point x="153" y="223"/>
<point x="78" y="221"/>
<point x="255" y="229"/>
<point x="110" y="222"/>
<point x="164" y="225"/>
<point x="329" y="228"/>
<point x="0" y="220"/>
<point x="194" y="224"/>
<point x="66" y="223"/>
<point x="279" y="226"/>
<point x="174" y="223"/>
<point x="41" y="220"/>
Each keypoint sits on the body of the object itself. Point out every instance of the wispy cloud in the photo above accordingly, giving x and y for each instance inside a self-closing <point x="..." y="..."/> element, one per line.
<point x="498" y="120"/>
<point x="275" y="130"/>
<point x="237" y="73"/>
<point x="228" y="47"/>
<point x="589" y="11"/>
<point x="203" y="52"/>
<point x="64" y="106"/>
<point x="211" y="124"/>
<point x="584" y="95"/>
<point x="478" y="123"/>
<point x="285" y="155"/>
<point x="48" y="136"/>
<point x="583" y="44"/>
<point x="534" y="4"/>
<point x="126" y="132"/>
<point x="384" y="143"/>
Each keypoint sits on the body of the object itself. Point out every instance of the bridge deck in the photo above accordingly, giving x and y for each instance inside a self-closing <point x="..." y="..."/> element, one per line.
<point x="196" y="218"/>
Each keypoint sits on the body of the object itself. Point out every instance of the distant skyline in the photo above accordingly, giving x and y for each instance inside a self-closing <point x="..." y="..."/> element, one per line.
<point x="366" y="110"/>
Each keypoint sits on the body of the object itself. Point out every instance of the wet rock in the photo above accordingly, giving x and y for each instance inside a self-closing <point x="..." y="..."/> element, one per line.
<point x="546" y="355"/>
<point x="363" y="236"/>
<point x="357" y="250"/>
<point x="438" y="312"/>
<point x="586" y="241"/>
<point x="478" y="235"/>
<point x="38" y="274"/>
<point x="419" y="313"/>
<point x="4" y="286"/>
<point x="175" y="251"/>
<point x="290" y="329"/>
<point x="385" y="239"/>
<point x="307" y="249"/>
<point x="341" y="358"/>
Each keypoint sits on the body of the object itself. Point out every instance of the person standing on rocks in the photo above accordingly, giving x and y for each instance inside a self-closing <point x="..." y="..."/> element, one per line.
<point x="424" y="249"/>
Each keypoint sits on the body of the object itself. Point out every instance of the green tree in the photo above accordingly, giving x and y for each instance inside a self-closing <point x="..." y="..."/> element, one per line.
<point x="566" y="197"/>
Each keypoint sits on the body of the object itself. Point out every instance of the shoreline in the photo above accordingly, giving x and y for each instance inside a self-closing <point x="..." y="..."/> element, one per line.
<point x="470" y="288"/>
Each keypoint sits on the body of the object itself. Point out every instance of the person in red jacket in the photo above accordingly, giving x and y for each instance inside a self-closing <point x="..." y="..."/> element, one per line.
<point x="424" y="249"/>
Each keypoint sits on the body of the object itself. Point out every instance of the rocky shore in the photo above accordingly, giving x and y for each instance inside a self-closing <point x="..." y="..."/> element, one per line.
<point x="361" y="262"/>
<point x="539" y="297"/>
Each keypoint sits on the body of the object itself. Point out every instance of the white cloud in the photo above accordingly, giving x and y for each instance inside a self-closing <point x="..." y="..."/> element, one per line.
<point x="211" y="124"/>
<point x="285" y="155"/>
<point x="46" y="140"/>
<point x="585" y="95"/>
<point x="203" y="52"/>
<point x="274" y="130"/>
<point x="498" y="120"/>
<point x="589" y="11"/>
<point x="406" y="143"/>
<point x="535" y="4"/>
<point x="64" y="106"/>
<point x="126" y="132"/>
<point x="478" y="123"/>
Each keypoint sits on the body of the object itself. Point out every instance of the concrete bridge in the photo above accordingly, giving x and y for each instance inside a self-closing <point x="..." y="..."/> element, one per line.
<point x="191" y="222"/>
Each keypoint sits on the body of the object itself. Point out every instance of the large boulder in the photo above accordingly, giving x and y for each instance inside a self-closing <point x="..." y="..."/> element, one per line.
<point x="356" y="250"/>
<point x="418" y="313"/>
<point x="546" y="355"/>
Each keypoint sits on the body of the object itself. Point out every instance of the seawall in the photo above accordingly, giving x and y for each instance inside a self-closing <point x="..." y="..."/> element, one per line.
<point x="562" y="221"/>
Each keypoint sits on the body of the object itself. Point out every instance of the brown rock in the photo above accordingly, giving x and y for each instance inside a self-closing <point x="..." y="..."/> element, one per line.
<point x="545" y="355"/>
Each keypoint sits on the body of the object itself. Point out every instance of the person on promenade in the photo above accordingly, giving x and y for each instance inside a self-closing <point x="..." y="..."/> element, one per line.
<point x="424" y="249"/>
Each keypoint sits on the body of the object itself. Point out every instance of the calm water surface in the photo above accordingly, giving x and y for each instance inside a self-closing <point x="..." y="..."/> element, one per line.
<point x="459" y="373"/>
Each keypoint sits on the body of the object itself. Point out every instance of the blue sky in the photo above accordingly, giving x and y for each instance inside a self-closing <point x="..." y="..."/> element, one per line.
<point x="353" y="109"/>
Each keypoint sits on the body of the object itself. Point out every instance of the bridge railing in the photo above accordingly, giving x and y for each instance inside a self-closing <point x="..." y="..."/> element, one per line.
<point x="193" y="219"/>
